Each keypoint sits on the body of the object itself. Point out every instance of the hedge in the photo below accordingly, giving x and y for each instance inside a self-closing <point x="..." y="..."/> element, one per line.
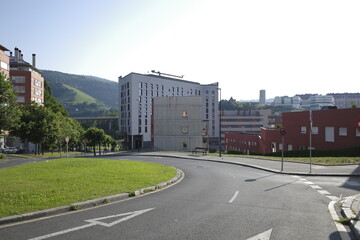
<point x="344" y="152"/>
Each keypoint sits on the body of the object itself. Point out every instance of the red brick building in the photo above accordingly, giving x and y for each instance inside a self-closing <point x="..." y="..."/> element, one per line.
<point x="26" y="78"/>
<point x="331" y="129"/>
<point x="4" y="61"/>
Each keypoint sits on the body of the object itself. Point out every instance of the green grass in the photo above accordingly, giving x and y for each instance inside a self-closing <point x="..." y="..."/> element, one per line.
<point x="59" y="182"/>
<point x="75" y="96"/>
<point x="315" y="160"/>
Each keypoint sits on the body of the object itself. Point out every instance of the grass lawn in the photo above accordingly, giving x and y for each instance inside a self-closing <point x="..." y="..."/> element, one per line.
<point x="315" y="160"/>
<point x="65" y="181"/>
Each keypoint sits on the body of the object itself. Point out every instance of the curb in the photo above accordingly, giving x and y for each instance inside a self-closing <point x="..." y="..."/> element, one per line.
<point x="348" y="213"/>
<point x="258" y="167"/>
<point x="90" y="203"/>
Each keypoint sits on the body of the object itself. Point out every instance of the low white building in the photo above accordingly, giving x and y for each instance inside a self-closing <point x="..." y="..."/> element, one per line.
<point x="178" y="123"/>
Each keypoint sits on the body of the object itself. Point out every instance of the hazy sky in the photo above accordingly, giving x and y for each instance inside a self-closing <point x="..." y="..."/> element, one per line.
<point x="285" y="47"/>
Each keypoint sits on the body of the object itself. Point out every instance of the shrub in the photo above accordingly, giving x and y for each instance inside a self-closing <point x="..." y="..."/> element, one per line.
<point x="344" y="152"/>
<point x="2" y="156"/>
<point x="212" y="150"/>
<point x="231" y="151"/>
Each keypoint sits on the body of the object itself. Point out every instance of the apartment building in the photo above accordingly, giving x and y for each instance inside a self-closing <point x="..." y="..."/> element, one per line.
<point x="136" y="92"/>
<point x="26" y="78"/>
<point x="4" y="61"/>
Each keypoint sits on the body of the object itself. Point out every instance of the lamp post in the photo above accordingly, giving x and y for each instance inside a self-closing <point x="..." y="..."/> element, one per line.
<point x="220" y="123"/>
<point x="310" y="140"/>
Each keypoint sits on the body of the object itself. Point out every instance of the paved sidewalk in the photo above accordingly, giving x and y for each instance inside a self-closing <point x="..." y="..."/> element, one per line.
<point x="270" y="165"/>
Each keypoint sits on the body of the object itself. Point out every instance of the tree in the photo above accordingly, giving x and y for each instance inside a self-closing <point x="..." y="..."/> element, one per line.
<point x="37" y="125"/>
<point x="9" y="111"/>
<point x="95" y="136"/>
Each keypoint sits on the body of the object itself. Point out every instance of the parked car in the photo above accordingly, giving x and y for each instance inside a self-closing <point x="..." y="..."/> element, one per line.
<point x="10" y="150"/>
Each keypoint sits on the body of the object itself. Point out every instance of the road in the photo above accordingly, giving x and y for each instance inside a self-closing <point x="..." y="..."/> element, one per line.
<point x="213" y="201"/>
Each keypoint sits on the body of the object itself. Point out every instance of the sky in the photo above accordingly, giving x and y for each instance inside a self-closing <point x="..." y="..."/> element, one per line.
<point x="285" y="47"/>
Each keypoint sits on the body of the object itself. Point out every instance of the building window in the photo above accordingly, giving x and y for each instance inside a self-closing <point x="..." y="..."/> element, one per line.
<point x="329" y="134"/>
<point x="357" y="132"/>
<point x="342" y="131"/>
<point x="18" y="79"/>
<point x="290" y="148"/>
<point x="303" y="130"/>
<point x="20" y="99"/>
<point x="4" y="65"/>
<point x="315" y="130"/>
<point x="184" y="114"/>
<point x="19" y="89"/>
<point x="184" y="130"/>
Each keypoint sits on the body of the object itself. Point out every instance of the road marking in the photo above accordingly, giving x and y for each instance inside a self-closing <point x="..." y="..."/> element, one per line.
<point x="324" y="192"/>
<point x="309" y="183"/>
<point x="234" y="197"/>
<point x="262" y="236"/>
<point x="96" y="221"/>
<point x="316" y="187"/>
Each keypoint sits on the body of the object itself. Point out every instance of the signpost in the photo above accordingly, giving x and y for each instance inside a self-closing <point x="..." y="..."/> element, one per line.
<point x="67" y="146"/>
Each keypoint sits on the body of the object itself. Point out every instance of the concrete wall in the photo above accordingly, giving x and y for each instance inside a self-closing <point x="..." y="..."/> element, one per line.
<point x="177" y="120"/>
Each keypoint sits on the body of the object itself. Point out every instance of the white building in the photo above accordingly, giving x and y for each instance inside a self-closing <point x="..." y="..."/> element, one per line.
<point x="136" y="92"/>
<point x="178" y="123"/>
<point x="262" y="97"/>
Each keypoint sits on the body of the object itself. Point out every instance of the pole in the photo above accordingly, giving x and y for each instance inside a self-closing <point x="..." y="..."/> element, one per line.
<point x="220" y="124"/>
<point x="310" y="131"/>
<point x="282" y="154"/>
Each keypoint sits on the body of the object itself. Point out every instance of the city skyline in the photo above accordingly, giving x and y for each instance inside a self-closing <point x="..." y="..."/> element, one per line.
<point x="280" y="46"/>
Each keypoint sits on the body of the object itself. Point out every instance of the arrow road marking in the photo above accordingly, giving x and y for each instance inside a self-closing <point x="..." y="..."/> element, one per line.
<point x="262" y="236"/>
<point x="97" y="221"/>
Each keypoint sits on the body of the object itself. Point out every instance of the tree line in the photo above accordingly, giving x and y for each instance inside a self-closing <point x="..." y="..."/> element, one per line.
<point x="48" y="125"/>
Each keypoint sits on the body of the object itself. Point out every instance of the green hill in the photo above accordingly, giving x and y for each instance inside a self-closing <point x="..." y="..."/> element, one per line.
<point x="102" y="90"/>
<point x="83" y="95"/>
<point x="75" y="96"/>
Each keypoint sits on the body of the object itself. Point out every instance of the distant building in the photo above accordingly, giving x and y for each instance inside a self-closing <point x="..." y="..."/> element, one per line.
<point x="331" y="129"/>
<point x="135" y="103"/>
<point x="294" y="102"/>
<point x="4" y="61"/>
<point x="246" y="121"/>
<point x="346" y="100"/>
<point x="177" y="123"/>
<point x="26" y="78"/>
<point x="262" y="97"/>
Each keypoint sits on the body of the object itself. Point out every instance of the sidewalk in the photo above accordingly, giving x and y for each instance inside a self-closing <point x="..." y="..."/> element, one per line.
<point x="350" y="170"/>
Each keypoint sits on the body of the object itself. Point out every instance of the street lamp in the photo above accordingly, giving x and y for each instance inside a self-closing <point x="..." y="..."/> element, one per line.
<point x="219" y="123"/>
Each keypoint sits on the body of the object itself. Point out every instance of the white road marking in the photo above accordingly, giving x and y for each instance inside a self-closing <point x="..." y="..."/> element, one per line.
<point x="262" y="236"/>
<point x="96" y="221"/>
<point x="316" y="187"/>
<point x="309" y="183"/>
<point x="324" y="192"/>
<point x="234" y="197"/>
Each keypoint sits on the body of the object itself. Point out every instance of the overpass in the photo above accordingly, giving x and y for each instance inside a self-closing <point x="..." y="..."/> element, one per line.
<point x="97" y="118"/>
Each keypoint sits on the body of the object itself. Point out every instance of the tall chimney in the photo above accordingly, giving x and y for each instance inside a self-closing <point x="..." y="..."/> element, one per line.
<point x="20" y="55"/>
<point x="33" y="59"/>
<point x="16" y="54"/>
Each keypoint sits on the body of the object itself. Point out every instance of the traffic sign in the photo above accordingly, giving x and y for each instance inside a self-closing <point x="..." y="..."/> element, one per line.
<point x="67" y="139"/>
<point x="358" y="124"/>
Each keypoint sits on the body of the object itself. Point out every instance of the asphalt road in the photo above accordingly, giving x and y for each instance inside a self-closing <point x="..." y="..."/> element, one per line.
<point x="213" y="201"/>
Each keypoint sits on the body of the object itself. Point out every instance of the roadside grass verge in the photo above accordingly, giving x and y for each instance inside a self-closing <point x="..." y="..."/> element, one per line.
<point x="65" y="181"/>
<point x="315" y="160"/>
